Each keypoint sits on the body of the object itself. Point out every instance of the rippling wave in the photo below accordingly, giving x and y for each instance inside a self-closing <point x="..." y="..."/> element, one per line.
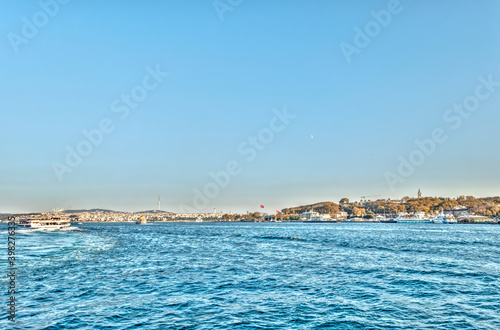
<point x="258" y="275"/>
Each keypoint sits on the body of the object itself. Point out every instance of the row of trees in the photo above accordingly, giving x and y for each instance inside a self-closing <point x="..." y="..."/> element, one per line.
<point x="322" y="207"/>
<point x="488" y="206"/>
<point x="252" y="215"/>
<point x="484" y="206"/>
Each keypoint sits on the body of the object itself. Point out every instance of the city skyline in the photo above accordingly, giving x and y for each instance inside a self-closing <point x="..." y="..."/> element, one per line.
<point x="269" y="209"/>
<point x="109" y="105"/>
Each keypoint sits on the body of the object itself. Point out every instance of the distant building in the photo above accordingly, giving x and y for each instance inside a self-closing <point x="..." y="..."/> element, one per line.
<point x="310" y="215"/>
<point x="339" y="214"/>
<point x="457" y="211"/>
<point x="419" y="193"/>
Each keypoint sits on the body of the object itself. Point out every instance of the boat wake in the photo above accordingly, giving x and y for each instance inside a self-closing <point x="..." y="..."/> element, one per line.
<point x="37" y="230"/>
<point x="282" y="237"/>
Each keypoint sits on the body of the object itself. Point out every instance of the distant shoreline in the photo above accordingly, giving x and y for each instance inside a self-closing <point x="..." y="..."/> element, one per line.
<point x="326" y="221"/>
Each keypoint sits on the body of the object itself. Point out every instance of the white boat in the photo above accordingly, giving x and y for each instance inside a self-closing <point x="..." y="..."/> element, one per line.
<point x="45" y="221"/>
<point x="413" y="218"/>
<point x="141" y="221"/>
<point x="444" y="218"/>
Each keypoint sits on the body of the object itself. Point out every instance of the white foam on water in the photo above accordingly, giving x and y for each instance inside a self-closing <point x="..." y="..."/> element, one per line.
<point x="45" y="247"/>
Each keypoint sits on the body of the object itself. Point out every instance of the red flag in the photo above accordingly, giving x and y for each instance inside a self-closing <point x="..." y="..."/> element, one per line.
<point x="262" y="206"/>
<point x="278" y="212"/>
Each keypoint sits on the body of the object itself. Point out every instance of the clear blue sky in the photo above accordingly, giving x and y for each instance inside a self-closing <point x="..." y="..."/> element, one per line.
<point x="353" y="120"/>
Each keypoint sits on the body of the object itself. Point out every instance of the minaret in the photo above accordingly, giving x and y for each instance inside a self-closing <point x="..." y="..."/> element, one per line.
<point x="159" y="203"/>
<point x="419" y="193"/>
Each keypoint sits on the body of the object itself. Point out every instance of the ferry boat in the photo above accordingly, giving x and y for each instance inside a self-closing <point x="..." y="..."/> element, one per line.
<point x="45" y="221"/>
<point x="444" y="218"/>
<point x="141" y="221"/>
<point x="418" y="217"/>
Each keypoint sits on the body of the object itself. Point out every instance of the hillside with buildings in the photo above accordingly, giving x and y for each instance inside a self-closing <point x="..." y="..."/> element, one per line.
<point x="486" y="206"/>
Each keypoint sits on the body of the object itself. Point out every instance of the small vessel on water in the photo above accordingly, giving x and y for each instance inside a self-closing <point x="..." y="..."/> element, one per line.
<point x="384" y="219"/>
<point x="141" y="221"/>
<point x="45" y="221"/>
<point x="444" y="218"/>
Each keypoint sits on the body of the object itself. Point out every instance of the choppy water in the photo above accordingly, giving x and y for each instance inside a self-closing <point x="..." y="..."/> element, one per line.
<point x="258" y="276"/>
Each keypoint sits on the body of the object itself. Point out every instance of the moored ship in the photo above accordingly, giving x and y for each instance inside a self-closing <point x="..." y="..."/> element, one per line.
<point x="418" y="217"/>
<point x="444" y="218"/>
<point x="45" y="221"/>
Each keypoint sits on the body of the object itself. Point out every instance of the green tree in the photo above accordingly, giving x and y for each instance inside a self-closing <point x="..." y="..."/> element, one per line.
<point x="356" y="211"/>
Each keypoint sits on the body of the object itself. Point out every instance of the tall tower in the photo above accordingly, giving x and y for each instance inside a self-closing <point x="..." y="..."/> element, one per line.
<point x="419" y="193"/>
<point x="159" y="203"/>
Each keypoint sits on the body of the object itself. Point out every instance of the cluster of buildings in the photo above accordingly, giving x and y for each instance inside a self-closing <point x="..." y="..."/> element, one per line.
<point x="97" y="215"/>
<point x="102" y="216"/>
<point x="462" y="214"/>
<point x="115" y="216"/>
<point x="160" y="216"/>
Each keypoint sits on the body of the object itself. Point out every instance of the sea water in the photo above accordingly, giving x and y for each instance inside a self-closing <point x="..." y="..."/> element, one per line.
<point x="256" y="276"/>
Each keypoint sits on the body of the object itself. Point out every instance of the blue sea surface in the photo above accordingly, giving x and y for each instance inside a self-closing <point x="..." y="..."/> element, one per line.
<point x="257" y="276"/>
